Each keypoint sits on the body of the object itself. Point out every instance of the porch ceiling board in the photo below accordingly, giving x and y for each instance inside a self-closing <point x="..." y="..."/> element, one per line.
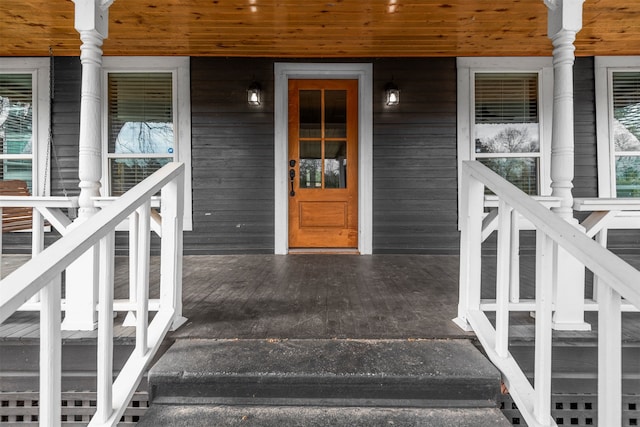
<point x="319" y="28"/>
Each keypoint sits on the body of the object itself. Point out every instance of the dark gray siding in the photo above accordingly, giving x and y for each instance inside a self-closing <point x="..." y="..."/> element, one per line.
<point x="586" y="169"/>
<point x="414" y="158"/>
<point x="414" y="151"/>
<point x="66" y="126"/>
<point x="232" y="157"/>
<point x="414" y="146"/>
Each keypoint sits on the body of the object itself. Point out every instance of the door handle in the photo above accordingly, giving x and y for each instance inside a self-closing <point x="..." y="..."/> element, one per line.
<point x="292" y="175"/>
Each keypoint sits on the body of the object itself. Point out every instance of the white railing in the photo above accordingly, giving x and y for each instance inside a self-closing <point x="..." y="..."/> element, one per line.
<point x="616" y="280"/>
<point x="43" y="274"/>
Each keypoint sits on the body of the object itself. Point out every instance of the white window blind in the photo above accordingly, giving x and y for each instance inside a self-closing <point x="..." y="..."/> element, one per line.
<point x="626" y="132"/>
<point x="507" y="126"/>
<point x="16" y="126"/>
<point x="140" y="126"/>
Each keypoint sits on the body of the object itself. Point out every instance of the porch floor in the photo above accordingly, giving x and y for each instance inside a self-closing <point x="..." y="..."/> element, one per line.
<point x="296" y="296"/>
<point x="317" y="296"/>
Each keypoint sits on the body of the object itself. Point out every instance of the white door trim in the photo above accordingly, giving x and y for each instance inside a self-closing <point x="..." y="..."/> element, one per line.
<point x="364" y="74"/>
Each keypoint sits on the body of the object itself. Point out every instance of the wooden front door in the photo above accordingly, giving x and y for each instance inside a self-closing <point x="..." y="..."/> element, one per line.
<point x="323" y="164"/>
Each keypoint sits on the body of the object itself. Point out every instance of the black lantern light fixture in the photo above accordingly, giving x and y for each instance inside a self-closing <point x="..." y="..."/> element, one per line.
<point x="254" y="94"/>
<point x="392" y="93"/>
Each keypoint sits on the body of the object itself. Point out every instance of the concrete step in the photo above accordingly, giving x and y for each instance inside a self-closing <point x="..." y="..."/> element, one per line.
<point x="383" y="373"/>
<point x="312" y="416"/>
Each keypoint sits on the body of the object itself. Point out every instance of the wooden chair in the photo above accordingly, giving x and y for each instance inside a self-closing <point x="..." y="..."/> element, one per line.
<point x="15" y="219"/>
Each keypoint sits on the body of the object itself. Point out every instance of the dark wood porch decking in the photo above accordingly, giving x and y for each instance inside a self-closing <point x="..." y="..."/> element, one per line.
<point x="318" y="296"/>
<point x="298" y="296"/>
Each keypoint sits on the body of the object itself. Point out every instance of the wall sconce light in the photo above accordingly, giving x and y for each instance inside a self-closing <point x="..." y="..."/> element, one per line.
<point x="254" y="94"/>
<point x="392" y="94"/>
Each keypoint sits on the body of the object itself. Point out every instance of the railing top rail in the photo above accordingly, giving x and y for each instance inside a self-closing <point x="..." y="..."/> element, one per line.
<point x="613" y="270"/>
<point x="23" y="283"/>
<point x="38" y="202"/>
<point x="492" y="201"/>
<point x="605" y="204"/>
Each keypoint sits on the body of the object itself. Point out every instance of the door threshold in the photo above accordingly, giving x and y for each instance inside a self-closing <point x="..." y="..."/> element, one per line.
<point x="327" y="251"/>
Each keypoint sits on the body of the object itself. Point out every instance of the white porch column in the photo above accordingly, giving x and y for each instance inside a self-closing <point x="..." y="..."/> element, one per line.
<point x="91" y="21"/>
<point x="564" y="22"/>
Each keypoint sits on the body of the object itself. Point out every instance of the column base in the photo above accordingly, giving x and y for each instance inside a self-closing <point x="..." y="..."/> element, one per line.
<point x="571" y="326"/>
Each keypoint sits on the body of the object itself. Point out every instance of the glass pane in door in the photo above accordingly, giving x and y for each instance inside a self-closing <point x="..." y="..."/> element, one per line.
<point x="335" y="164"/>
<point x="335" y="107"/>
<point x="310" y="164"/>
<point x="310" y="114"/>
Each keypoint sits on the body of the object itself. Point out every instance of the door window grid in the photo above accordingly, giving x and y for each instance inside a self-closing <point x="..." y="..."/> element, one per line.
<point x="322" y="139"/>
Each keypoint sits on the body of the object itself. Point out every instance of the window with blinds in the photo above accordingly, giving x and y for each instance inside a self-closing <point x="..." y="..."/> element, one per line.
<point x="140" y="127"/>
<point x="16" y="127"/>
<point x="626" y="132"/>
<point x="507" y="126"/>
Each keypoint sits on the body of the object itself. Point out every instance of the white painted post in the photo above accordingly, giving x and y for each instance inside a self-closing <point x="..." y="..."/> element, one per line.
<point x="502" y="279"/>
<point x="545" y="256"/>
<point x="50" y="355"/>
<point x="609" y="356"/>
<point x="171" y="250"/>
<point x="564" y="22"/>
<point x="142" y="282"/>
<point x="91" y="21"/>
<point x="471" y="209"/>
<point x="104" y="404"/>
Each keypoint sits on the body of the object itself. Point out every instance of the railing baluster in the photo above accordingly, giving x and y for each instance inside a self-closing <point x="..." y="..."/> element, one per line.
<point x="50" y="354"/>
<point x="37" y="241"/>
<point x="142" y="298"/>
<point x="502" y="279"/>
<point x="545" y="259"/>
<point x="609" y="356"/>
<point x="130" y="319"/>
<point x="105" y="330"/>
<point x="514" y="271"/>
<point x="1" y="236"/>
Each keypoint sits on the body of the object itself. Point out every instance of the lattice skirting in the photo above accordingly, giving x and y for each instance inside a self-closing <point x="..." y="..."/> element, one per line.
<point x="21" y="408"/>
<point x="576" y="410"/>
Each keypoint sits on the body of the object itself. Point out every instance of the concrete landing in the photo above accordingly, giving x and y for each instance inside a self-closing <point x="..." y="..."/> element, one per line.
<point x="272" y="416"/>
<point x="400" y="373"/>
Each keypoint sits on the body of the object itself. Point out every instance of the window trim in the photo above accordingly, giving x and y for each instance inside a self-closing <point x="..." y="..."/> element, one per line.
<point x="604" y="67"/>
<point x="180" y="69"/>
<point x="40" y="161"/>
<point x="466" y="70"/>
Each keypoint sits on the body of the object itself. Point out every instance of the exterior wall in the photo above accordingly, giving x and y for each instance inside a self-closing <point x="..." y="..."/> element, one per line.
<point x="414" y="151"/>
<point x="414" y="196"/>
<point x="232" y="157"/>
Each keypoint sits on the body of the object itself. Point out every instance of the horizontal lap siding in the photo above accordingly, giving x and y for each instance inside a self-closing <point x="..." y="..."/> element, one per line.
<point x="414" y="158"/>
<point x="232" y="157"/>
<point x="414" y="146"/>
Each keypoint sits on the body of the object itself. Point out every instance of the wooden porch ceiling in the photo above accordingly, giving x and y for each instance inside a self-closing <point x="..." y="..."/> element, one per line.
<point x="319" y="28"/>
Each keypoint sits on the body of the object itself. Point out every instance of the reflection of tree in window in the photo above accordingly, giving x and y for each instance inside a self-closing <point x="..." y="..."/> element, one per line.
<point x="509" y="140"/>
